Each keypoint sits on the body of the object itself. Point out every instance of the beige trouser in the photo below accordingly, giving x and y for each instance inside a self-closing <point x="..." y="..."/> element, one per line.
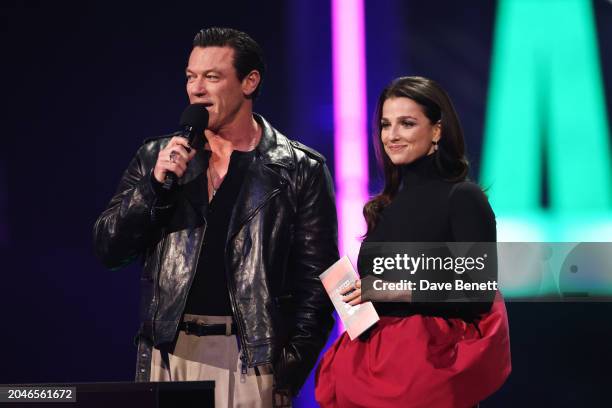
<point x="214" y="358"/>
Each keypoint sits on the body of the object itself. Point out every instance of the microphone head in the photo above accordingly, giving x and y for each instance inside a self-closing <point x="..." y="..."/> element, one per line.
<point x="195" y="116"/>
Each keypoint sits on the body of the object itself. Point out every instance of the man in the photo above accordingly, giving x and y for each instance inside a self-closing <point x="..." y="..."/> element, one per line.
<point x="232" y="254"/>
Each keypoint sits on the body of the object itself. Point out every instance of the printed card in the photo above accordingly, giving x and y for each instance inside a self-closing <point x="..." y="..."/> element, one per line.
<point x="356" y="319"/>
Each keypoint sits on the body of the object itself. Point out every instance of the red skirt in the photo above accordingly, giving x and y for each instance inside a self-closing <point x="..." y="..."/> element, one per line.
<point x="418" y="361"/>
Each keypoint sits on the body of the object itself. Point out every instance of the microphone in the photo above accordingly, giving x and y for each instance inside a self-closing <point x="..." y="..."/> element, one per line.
<point x="194" y="121"/>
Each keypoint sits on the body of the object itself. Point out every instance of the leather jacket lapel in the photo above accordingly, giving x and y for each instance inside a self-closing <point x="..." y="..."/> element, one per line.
<point x="263" y="180"/>
<point x="260" y="184"/>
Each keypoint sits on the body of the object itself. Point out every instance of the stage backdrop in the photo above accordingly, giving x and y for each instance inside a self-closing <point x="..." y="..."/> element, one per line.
<point x="84" y="84"/>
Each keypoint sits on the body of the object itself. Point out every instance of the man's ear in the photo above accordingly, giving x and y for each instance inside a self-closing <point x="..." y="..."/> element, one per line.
<point x="250" y="82"/>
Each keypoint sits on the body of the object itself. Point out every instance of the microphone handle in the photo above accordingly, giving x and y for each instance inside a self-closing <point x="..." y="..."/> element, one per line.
<point x="169" y="181"/>
<point x="189" y="133"/>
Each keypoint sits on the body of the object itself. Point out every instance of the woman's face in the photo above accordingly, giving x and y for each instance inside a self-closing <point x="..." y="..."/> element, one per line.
<point x="405" y="131"/>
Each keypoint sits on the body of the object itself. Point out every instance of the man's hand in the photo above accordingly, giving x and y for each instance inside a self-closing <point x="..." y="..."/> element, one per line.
<point x="174" y="158"/>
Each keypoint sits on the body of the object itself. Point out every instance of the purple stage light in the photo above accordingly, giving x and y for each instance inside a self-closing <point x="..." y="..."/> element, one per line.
<point x="350" y="122"/>
<point x="350" y="135"/>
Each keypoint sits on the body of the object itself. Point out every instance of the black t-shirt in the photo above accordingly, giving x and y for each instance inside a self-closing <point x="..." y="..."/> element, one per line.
<point x="209" y="293"/>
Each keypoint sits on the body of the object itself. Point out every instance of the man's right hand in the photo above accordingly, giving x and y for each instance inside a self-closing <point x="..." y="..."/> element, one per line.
<point x="173" y="158"/>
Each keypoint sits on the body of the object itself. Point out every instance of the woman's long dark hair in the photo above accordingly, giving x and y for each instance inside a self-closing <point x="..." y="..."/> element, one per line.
<point x="450" y="159"/>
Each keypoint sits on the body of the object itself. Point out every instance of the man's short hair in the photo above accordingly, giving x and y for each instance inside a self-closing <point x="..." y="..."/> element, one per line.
<point x="248" y="55"/>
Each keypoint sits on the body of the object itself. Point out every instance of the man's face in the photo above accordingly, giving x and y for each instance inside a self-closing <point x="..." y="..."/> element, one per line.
<point x="212" y="80"/>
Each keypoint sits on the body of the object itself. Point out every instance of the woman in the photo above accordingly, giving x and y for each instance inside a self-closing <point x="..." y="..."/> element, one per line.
<point x="421" y="354"/>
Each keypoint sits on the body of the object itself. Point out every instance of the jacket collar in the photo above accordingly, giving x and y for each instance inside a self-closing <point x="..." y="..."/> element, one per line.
<point x="273" y="148"/>
<point x="261" y="180"/>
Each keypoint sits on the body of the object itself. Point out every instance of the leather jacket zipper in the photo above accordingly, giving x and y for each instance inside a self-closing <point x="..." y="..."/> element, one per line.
<point x="244" y="356"/>
<point x="243" y="367"/>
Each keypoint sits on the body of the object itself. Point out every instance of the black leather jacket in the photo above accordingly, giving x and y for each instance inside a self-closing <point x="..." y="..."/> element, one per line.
<point x="282" y="235"/>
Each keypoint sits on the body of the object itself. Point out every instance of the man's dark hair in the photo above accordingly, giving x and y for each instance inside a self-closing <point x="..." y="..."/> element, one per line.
<point x="248" y="55"/>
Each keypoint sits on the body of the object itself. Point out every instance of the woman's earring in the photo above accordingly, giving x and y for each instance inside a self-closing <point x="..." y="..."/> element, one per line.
<point x="435" y="145"/>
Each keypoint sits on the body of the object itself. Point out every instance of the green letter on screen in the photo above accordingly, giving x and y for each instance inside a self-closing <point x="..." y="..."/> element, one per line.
<point x="546" y="107"/>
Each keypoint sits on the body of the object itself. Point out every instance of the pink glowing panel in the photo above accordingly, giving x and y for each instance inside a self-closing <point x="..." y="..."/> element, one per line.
<point x="350" y="123"/>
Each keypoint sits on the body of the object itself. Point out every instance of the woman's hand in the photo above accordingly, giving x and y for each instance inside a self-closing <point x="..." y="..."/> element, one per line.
<point x="354" y="297"/>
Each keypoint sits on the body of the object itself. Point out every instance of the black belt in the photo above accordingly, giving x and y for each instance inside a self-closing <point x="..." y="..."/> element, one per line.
<point x="200" y="329"/>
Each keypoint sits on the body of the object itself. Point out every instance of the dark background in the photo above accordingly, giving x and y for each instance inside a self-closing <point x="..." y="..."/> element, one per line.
<point x="84" y="84"/>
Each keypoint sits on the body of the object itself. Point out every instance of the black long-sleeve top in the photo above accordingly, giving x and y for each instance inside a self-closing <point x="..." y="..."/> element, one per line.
<point x="428" y="208"/>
